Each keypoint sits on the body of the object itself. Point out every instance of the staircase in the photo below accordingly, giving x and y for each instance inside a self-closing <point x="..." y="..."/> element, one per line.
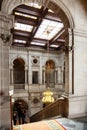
<point x="59" y="107"/>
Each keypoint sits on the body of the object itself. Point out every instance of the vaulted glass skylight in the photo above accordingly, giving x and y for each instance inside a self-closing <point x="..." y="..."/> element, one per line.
<point x="48" y="29"/>
<point x="35" y="26"/>
<point x="23" y="27"/>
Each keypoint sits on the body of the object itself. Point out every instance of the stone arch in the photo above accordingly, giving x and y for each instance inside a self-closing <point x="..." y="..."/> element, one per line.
<point x="63" y="12"/>
<point x="58" y="7"/>
<point x="21" y="101"/>
<point x="51" y="63"/>
<point x="16" y="57"/>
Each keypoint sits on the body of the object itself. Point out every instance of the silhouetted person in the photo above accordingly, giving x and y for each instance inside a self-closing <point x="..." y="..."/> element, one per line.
<point x="19" y="115"/>
<point x="15" y="117"/>
<point x="23" y="115"/>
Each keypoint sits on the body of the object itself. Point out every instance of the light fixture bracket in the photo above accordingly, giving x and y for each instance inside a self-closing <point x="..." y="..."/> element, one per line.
<point x="5" y="37"/>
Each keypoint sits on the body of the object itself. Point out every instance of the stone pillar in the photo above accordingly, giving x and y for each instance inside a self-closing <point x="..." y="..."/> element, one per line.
<point x="40" y="71"/>
<point x="6" y="24"/>
<point x="69" y="65"/>
<point x="30" y="69"/>
<point x="11" y="76"/>
<point x="11" y="79"/>
<point x="59" y="75"/>
<point x="56" y="77"/>
<point x="62" y="70"/>
<point x="26" y="77"/>
<point x="0" y="80"/>
<point x="43" y="77"/>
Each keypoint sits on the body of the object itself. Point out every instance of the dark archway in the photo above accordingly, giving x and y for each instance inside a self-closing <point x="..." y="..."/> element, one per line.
<point x="19" y="73"/>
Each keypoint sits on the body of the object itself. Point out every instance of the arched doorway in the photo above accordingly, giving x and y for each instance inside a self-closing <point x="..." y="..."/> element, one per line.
<point x="20" y="112"/>
<point x="19" y="73"/>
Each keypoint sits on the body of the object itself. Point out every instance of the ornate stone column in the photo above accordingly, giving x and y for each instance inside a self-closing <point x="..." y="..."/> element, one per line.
<point x="43" y="77"/>
<point x="69" y="64"/>
<point x="11" y="80"/>
<point x="30" y="69"/>
<point x="62" y="70"/>
<point x="56" y="76"/>
<point x="59" y="74"/>
<point x="26" y="77"/>
<point x="6" y="22"/>
<point x="40" y="71"/>
<point x="11" y="75"/>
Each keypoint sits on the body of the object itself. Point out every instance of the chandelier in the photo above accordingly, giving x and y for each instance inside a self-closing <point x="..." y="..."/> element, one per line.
<point x="48" y="96"/>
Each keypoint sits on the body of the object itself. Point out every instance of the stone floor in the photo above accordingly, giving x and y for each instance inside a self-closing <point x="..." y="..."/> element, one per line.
<point x="81" y="119"/>
<point x="74" y="124"/>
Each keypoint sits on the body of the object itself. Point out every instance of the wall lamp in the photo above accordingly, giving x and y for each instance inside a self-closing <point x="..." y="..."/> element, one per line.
<point x="5" y="37"/>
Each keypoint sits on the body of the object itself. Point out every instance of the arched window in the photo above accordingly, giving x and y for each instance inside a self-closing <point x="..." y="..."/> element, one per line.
<point x="50" y="73"/>
<point x="18" y="72"/>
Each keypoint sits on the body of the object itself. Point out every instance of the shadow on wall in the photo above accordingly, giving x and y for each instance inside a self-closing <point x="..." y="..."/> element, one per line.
<point x="84" y="4"/>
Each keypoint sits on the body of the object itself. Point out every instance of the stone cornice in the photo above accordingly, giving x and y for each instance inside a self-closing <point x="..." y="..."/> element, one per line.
<point x="80" y="33"/>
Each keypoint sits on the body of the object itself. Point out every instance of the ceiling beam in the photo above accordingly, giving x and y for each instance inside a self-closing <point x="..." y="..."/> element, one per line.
<point x="39" y="40"/>
<point x="27" y="10"/>
<point x="52" y="16"/>
<point x="64" y="35"/>
<point x="21" y="33"/>
<point x="43" y="14"/>
<point x="19" y="37"/>
<point x="19" y="44"/>
<point x="25" y="20"/>
<point x="61" y="32"/>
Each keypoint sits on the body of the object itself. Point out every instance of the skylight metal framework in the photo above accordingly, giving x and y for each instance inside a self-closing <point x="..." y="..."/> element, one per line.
<point x="36" y="26"/>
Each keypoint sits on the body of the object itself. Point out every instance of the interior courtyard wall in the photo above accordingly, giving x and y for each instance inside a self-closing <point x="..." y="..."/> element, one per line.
<point x="0" y="76"/>
<point x="32" y="89"/>
<point x="79" y="98"/>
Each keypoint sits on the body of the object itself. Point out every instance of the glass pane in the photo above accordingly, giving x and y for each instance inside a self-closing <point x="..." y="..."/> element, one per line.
<point x="36" y="43"/>
<point x="48" y="29"/>
<point x="23" y="27"/>
<point x="19" y="41"/>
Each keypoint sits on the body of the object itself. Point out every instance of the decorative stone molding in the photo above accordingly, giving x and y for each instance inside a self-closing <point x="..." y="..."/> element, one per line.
<point x="6" y="23"/>
<point x="35" y="100"/>
<point x="35" y="60"/>
<point x="11" y="60"/>
<point x="7" y="7"/>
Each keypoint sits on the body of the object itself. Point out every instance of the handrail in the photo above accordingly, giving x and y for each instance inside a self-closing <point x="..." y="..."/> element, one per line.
<point x="59" y="107"/>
